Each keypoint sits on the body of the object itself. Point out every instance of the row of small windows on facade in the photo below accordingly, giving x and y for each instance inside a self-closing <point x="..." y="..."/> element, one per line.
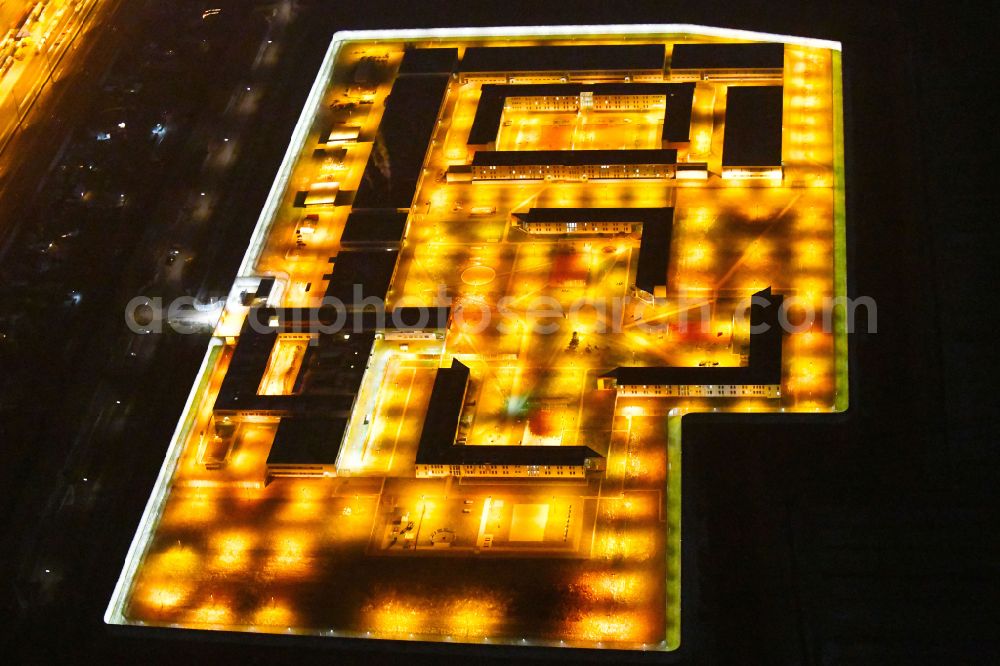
<point x="493" y="470"/>
<point x="559" y="171"/>
<point x="706" y="389"/>
<point x="569" y="227"/>
<point x="572" y="102"/>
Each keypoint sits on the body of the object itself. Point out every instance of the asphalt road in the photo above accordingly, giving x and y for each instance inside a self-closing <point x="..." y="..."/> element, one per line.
<point x="28" y="155"/>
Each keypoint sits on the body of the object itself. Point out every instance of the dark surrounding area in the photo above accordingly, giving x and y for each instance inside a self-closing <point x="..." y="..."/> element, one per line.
<point x="862" y="539"/>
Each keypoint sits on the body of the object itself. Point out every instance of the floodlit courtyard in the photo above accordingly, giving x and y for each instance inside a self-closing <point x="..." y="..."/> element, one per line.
<point x="571" y="131"/>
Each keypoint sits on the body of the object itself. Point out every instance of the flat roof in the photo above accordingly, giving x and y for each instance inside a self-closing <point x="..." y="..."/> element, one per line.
<point x="756" y="55"/>
<point x="489" y="111"/>
<point x="429" y="61"/>
<point x="307" y="441"/>
<point x="677" y="118"/>
<point x="393" y="170"/>
<point x="573" y="157"/>
<point x="444" y="409"/>
<point x="753" y="126"/>
<point x="371" y="270"/>
<point x="471" y="454"/>
<point x="416" y="318"/>
<point x="264" y="287"/>
<point x="331" y="374"/>
<point x="328" y="380"/>
<point x="764" y="356"/>
<point x="369" y="226"/>
<point x="654" y="245"/>
<point x="763" y="365"/>
<point x="246" y="367"/>
<point x="654" y="249"/>
<point x="627" y="57"/>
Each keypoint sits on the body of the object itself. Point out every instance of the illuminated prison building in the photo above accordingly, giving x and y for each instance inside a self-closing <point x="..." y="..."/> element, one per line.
<point x="597" y="97"/>
<point x="752" y="143"/>
<point x="582" y="227"/>
<point x="759" y="378"/>
<point x="307" y="382"/>
<point x="561" y="450"/>
<point x="510" y="64"/>
<point x="440" y="453"/>
<point x="635" y="389"/>
<point x="574" y="165"/>
<point x="727" y="62"/>
<point x="558" y="102"/>
<point x="393" y="170"/>
<point x="675" y="99"/>
<point x="656" y="225"/>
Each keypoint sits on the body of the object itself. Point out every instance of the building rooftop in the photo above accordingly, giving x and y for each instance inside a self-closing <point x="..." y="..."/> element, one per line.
<point x="247" y="366"/>
<point x="764" y="356"/>
<point x="327" y="382"/>
<point x="629" y="57"/>
<point x="444" y="409"/>
<point x="307" y="441"/>
<point x="469" y="454"/>
<point x="361" y="274"/>
<point x="418" y="318"/>
<point x="429" y="61"/>
<point x="366" y="227"/>
<point x="654" y="248"/>
<point x="588" y="214"/>
<point x="728" y="56"/>
<point x="753" y="126"/>
<point x="393" y="170"/>
<point x="298" y="320"/>
<point x="677" y="119"/>
<point x="335" y="365"/>
<point x="572" y="157"/>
